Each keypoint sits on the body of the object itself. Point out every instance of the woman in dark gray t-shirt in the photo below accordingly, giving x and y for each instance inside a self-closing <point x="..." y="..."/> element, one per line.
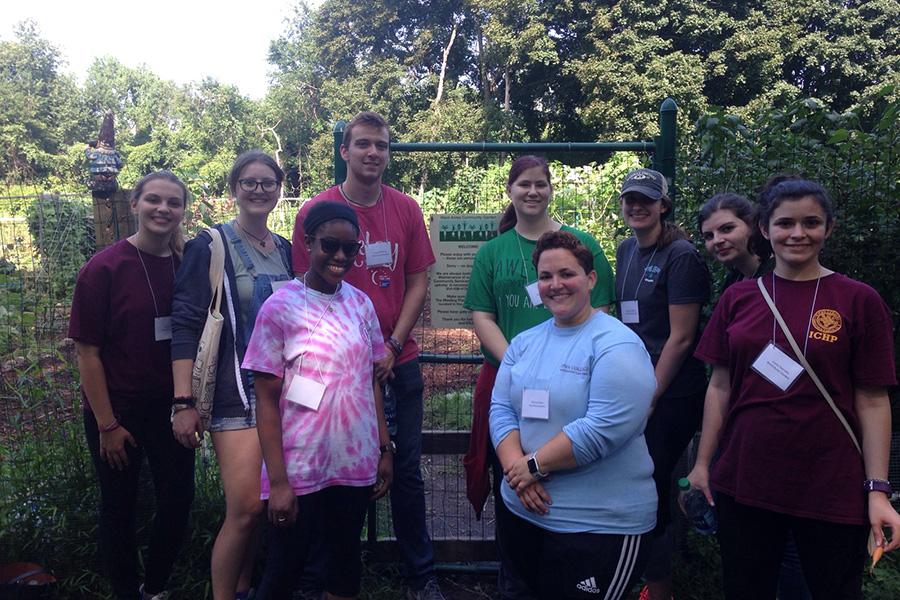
<point x="661" y="285"/>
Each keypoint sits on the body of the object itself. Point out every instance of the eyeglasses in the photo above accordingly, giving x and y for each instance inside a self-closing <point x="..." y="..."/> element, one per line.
<point x="251" y="185"/>
<point x="331" y="245"/>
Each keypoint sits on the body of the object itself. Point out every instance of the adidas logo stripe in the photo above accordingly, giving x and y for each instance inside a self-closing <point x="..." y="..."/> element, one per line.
<point x="589" y="585"/>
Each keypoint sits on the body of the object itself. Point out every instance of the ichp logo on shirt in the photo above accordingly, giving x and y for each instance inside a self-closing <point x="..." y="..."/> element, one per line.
<point x="826" y="322"/>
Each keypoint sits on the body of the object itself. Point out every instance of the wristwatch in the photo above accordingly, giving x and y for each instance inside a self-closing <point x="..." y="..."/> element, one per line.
<point x="877" y="485"/>
<point x="534" y="468"/>
<point x="389" y="447"/>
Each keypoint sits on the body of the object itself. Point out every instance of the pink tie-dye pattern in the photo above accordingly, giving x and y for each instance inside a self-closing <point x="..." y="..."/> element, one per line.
<point x="338" y="443"/>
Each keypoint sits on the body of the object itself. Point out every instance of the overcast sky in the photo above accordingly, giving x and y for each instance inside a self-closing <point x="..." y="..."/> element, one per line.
<point x="179" y="40"/>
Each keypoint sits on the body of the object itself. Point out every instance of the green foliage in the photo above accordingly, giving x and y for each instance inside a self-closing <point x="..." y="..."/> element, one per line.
<point x="858" y="164"/>
<point x="62" y="232"/>
<point x="584" y="196"/>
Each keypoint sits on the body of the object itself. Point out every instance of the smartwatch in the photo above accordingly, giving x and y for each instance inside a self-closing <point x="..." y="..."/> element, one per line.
<point x="534" y="468"/>
<point x="877" y="485"/>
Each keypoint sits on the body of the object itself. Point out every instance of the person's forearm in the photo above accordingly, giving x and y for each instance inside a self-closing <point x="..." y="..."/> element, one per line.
<point x="268" y="425"/>
<point x="556" y="454"/>
<point x="182" y="370"/>
<point x="714" y="408"/>
<point x="489" y="333"/>
<point x="93" y="382"/>
<point x="873" y="409"/>
<point x="671" y="358"/>
<point x="413" y="302"/>
<point x="509" y="450"/>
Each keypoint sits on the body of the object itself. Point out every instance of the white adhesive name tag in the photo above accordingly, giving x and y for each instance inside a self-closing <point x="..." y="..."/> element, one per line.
<point x="536" y="404"/>
<point x="162" y="328"/>
<point x="306" y="392"/>
<point x="533" y="294"/>
<point x="378" y="254"/>
<point x="277" y="285"/>
<point x="630" y="312"/>
<point x="776" y="367"/>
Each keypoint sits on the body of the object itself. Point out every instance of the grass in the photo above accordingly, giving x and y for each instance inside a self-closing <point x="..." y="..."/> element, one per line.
<point x="450" y="411"/>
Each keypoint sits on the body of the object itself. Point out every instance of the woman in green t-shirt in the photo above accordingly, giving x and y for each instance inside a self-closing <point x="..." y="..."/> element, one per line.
<point x="504" y="301"/>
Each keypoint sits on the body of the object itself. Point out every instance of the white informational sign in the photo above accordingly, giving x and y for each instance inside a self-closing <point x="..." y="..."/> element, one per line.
<point x="455" y="239"/>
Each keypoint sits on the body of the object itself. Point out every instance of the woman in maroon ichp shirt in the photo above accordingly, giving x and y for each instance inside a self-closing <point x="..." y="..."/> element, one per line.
<point x="788" y="462"/>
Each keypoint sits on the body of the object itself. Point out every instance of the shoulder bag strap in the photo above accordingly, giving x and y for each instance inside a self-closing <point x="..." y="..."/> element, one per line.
<point x="216" y="269"/>
<point x="805" y="363"/>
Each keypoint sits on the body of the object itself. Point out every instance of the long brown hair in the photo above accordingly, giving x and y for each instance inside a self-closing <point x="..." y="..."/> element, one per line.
<point x="520" y="165"/>
<point x="176" y="240"/>
<point x="670" y="231"/>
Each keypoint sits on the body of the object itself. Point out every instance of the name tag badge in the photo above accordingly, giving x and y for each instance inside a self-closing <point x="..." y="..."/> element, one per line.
<point x="776" y="367"/>
<point x="162" y="328"/>
<point x="536" y="404"/>
<point x="277" y="285"/>
<point x="533" y="295"/>
<point x="378" y="254"/>
<point x="630" y="312"/>
<point x="306" y="392"/>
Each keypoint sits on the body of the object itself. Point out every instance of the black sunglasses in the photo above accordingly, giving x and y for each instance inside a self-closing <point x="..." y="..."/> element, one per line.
<point x="331" y="245"/>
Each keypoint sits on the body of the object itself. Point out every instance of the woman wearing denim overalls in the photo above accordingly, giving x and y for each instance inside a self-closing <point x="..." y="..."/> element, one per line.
<point x="257" y="262"/>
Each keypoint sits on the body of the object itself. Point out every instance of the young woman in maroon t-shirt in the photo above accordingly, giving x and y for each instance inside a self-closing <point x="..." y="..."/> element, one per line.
<point x="121" y="324"/>
<point x="786" y="462"/>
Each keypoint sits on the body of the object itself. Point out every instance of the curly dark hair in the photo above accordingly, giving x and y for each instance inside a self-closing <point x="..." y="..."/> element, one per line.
<point x="565" y="240"/>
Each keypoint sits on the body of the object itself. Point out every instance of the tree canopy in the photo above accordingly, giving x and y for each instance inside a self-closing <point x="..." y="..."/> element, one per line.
<point x="451" y="70"/>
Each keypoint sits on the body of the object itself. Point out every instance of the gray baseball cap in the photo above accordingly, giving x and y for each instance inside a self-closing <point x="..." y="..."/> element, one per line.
<point x="647" y="182"/>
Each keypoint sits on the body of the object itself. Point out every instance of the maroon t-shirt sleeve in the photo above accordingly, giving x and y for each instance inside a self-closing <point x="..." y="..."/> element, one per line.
<point x="90" y="305"/>
<point x="419" y="254"/>
<point x="872" y="357"/>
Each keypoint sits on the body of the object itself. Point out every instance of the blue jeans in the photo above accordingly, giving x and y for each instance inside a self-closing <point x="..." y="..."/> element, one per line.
<point x="403" y="409"/>
<point x="403" y="400"/>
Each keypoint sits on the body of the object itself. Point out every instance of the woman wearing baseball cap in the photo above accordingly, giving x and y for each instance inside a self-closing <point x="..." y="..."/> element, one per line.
<point x="661" y="284"/>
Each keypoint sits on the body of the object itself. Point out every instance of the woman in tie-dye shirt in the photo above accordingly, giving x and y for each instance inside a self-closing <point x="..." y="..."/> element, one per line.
<point x="319" y="412"/>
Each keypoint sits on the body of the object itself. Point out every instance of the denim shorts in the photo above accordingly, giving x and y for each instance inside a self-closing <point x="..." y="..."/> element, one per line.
<point x="232" y="423"/>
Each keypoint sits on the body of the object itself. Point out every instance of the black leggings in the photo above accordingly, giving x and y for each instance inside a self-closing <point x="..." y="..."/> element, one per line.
<point x="752" y="543"/>
<point x="172" y="467"/>
<point x="337" y="513"/>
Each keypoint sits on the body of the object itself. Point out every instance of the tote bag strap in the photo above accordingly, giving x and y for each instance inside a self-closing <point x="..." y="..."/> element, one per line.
<point x="805" y="363"/>
<point x="216" y="269"/>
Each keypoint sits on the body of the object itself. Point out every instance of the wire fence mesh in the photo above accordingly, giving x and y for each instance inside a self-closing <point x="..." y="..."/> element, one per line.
<point x="47" y="494"/>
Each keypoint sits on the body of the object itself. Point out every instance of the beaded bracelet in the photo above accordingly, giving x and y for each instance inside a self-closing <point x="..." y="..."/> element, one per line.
<point x="395" y="345"/>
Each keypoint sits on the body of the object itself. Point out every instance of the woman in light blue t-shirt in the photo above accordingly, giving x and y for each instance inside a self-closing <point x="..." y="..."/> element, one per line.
<point x="571" y="400"/>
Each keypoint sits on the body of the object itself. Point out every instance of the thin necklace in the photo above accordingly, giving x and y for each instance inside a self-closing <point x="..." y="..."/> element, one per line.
<point x="812" y="308"/>
<point x="147" y="275"/>
<point x="351" y="203"/>
<point x="628" y="268"/>
<point x="260" y="240"/>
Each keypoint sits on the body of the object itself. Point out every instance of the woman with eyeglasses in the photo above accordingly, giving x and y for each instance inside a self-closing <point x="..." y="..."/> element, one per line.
<point x="321" y="419"/>
<point x="257" y="262"/>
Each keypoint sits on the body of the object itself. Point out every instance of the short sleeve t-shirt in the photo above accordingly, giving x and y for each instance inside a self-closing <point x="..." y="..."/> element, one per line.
<point x="114" y="308"/>
<point x="397" y="219"/>
<point x="301" y="332"/>
<point x="264" y="263"/>
<point x="787" y="451"/>
<point x="503" y="268"/>
<point x="657" y="278"/>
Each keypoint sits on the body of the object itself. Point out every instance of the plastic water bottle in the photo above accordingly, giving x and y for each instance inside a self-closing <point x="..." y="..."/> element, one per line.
<point x="692" y="501"/>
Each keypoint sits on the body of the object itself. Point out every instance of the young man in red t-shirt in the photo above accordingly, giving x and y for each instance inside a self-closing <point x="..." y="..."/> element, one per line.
<point x="392" y="269"/>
